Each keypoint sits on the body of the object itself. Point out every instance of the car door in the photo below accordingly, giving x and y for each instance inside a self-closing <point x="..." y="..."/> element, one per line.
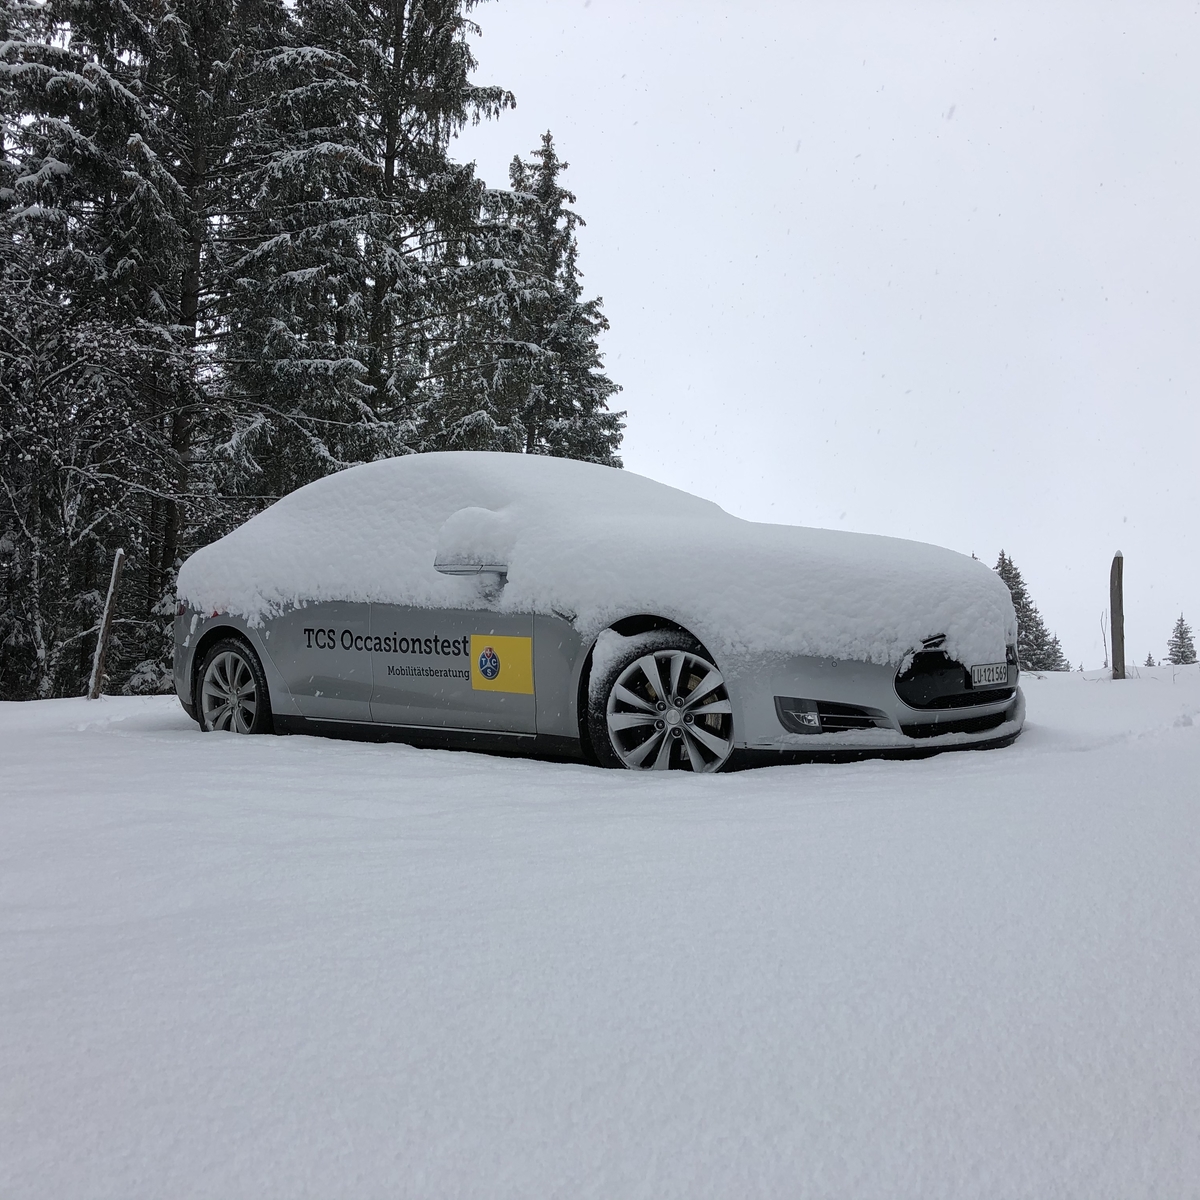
<point x="323" y="653"/>
<point x="453" y="669"/>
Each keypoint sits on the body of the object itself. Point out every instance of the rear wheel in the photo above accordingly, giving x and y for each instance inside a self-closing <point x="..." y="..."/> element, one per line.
<point x="659" y="704"/>
<point x="232" y="690"/>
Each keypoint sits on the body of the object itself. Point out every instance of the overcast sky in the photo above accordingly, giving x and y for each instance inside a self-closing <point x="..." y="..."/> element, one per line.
<point x="923" y="270"/>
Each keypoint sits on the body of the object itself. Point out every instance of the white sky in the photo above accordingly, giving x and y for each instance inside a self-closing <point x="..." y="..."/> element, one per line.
<point x="928" y="270"/>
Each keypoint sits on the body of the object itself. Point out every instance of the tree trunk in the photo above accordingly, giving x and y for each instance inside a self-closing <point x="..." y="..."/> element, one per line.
<point x="378" y="334"/>
<point x="153" y="559"/>
<point x="182" y="416"/>
<point x="37" y="625"/>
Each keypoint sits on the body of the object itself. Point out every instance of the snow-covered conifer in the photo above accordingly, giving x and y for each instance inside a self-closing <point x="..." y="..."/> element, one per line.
<point x="1181" y="649"/>
<point x="88" y="347"/>
<point x="235" y="255"/>
<point x="356" y="265"/>
<point x="524" y="370"/>
<point x="566" y="404"/>
<point x="1037" y="648"/>
<point x="128" y="129"/>
<point x="556" y="384"/>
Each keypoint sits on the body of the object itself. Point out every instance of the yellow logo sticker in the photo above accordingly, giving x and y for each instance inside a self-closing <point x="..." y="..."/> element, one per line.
<point x="501" y="664"/>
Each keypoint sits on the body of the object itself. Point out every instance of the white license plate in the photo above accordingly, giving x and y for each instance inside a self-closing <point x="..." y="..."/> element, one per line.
<point x="989" y="675"/>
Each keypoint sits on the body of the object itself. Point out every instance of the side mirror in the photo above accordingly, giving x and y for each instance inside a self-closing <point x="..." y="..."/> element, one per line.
<point x="474" y="541"/>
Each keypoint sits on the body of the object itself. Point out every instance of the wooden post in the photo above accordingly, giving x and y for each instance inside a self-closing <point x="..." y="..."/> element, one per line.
<point x="1116" y="603"/>
<point x="110" y="603"/>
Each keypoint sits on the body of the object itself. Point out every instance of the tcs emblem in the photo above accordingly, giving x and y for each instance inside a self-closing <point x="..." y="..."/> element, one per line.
<point x="501" y="664"/>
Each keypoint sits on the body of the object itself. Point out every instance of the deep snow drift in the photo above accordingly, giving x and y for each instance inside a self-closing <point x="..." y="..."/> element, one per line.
<point x="286" y="966"/>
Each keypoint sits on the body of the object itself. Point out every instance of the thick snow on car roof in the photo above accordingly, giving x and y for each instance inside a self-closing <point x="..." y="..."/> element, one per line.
<point x="597" y="544"/>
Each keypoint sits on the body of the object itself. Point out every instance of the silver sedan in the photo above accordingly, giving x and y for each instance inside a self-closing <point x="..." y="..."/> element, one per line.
<point x="524" y="604"/>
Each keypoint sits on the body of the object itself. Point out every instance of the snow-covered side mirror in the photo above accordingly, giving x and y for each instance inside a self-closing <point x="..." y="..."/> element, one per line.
<point x="474" y="541"/>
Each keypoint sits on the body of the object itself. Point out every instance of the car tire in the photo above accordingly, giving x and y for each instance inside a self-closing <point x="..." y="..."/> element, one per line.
<point x="657" y="702"/>
<point x="231" y="690"/>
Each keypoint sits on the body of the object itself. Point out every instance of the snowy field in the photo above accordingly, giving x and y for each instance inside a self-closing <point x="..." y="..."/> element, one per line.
<point x="293" y="967"/>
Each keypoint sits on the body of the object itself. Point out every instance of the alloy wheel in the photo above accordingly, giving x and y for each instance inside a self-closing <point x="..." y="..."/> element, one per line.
<point x="229" y="694"/>
<point x="670" y="708"/>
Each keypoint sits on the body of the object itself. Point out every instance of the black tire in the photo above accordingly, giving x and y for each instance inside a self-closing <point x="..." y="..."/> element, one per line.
<point x="682" y="722"/>
<point x="231" y="690"/>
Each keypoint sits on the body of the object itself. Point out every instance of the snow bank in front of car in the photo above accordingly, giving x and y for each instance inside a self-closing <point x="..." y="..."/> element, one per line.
<point x="597" y="544"/>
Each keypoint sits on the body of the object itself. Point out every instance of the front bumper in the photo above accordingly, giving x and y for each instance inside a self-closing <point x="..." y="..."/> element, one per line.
<point x="841" y="689"/>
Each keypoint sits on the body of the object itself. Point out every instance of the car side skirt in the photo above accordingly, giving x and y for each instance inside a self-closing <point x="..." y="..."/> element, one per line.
<point x="430" y="737"/>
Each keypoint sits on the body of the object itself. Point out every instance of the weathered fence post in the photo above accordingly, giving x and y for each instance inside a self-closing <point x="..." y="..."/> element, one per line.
<point x="1116" y="603"/>
<point x="110" y="603"/>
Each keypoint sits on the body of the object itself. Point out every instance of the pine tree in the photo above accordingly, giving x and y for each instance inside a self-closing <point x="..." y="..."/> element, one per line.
<point x="88" y="229"/>
<point x="229" y="235"/>
<point x="1037" y="648"/>
<point x="1181" y="649"/>
<point x="1149" y="661"/>
<point x="235" y="255"/>
<point x="554" y="381"/>
<point x="362" y="249"/>
<point x="522" y="369"/>
<point x="293" y="272"/>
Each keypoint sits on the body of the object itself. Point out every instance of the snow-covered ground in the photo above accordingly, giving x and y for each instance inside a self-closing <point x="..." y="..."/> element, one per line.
<point x="293" y="967"/>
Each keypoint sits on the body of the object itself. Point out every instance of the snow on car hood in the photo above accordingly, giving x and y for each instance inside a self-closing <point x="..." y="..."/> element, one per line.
<point x="595" y="544"/>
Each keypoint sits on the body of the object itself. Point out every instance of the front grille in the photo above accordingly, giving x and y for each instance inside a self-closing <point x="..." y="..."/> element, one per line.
<point x="934" y="680"/>
<point x="825" y="716"/>
<point x="962" y="725"/>
<point x="973" y="698"/>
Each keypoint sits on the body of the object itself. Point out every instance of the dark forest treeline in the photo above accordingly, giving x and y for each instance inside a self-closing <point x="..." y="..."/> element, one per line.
<point x="236" y="256"/>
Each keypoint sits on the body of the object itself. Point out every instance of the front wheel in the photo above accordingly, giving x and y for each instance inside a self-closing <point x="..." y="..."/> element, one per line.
<point x="658" y="704"/>
<point x="233" y="690"/>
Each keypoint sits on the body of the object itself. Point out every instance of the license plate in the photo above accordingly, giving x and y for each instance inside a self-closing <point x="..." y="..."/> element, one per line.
<point x="989" y="675"/>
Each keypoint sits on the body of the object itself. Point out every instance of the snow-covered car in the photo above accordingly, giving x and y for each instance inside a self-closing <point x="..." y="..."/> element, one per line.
<point x="522" y="603"/>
